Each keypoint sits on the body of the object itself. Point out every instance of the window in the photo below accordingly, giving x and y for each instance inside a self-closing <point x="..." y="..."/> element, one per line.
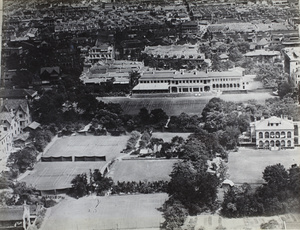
<point x="5" y="128"/>
<point x="289" y="134"/>
<point x="20" y="115"/>
<point x="267" y="135"/>
<point x="260" y="135"/>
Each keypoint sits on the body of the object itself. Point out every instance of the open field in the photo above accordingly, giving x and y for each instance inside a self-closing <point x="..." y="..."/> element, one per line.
<point x="109" y="146"/>
<point x="109" y="212"/>
<point x="167" y="137"/>
<point x="58" y="175"/>
<point x="142" y="170"/>
<point x="192" y="105"/>
<point x="247" y="164"/>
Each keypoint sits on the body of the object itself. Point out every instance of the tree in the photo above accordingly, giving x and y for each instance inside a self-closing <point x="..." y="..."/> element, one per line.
<point x="195" y="189"/>
<point x="294" y="180"/>
<point x="22" y="159"/>
<point x="285" y="88"/>
<point x="144" y="116"/>
<point x="158" y="116"/>
<point x="174" y="214"/>
<point x="79" y="185"/>
<point x="276" y="176"/>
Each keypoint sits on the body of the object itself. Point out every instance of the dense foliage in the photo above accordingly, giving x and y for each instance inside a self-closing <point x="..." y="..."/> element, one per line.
<point x="83" y="184"/>
<point x="279" y="195"/>
<point x="139" y="187"/>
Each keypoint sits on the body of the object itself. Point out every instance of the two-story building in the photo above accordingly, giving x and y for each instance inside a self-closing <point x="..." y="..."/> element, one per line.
<point x="171" y="81"/>
<point x="275" y="133"/>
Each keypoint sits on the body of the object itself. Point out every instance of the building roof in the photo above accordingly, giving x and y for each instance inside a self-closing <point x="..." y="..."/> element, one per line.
<point x="274" y="123"/>
<point x="34" y="125"/>
<point x="14" y="104"/>
<point x="17" y="93"/>
<point x="152" y="86"/>
<point x="5" y="116"/>
<point x="50" y="70"/>
<point x="256" y="53"/>
<point x="14" y="213"/>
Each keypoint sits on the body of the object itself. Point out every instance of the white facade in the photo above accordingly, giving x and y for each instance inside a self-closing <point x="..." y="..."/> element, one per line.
<point x="275" y="133"/>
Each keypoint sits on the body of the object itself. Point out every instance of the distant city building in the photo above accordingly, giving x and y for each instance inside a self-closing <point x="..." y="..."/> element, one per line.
<point x="186" y="51"/>
<point x="117" y="71"/>
<point x="275" y="132"/>
<point x="99" y="52"/>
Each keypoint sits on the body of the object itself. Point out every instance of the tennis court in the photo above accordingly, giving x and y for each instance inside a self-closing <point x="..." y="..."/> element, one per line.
<point x="109" y="212"/>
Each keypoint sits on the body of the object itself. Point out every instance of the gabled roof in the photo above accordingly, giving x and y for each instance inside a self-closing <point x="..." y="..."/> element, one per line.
<point x="14" y="104"/>
<point x="50" y="70"/>
<point x="262" y="42"/>
<point x="5" y="116"/>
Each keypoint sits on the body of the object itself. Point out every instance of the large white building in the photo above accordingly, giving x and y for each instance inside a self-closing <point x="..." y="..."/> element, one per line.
<point x="275" y="132"/>
<point x="171" y="81"/>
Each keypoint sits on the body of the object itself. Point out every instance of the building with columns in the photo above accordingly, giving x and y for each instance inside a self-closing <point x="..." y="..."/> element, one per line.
<point x="275" y="133"/>
<point x="172" y="81"/>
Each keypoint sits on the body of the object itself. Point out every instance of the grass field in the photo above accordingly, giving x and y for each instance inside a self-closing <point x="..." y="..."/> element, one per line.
<point x="58" y="175"/>
<point x="176" y="105"/>
<point x="142" y="170"/>
<point x="167" y="137"/>
<point x="109" y="146"/>
<point x="110" y="212"/>
<point x="247" y="164"/>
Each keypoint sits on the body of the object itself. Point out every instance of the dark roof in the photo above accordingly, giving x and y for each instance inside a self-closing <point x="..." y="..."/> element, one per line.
<point x="17" y="93"/>
<point x="14" y="104"/>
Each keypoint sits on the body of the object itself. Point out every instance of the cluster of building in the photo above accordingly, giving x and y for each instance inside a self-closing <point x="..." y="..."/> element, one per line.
<point x="15" y="118"/>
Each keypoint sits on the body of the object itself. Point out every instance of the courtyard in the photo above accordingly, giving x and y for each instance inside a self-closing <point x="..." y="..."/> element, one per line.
<point x="247" y="164"/>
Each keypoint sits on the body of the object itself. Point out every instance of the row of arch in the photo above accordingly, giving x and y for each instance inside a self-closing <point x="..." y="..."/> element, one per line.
<point x="277" y="134"/>
<point x="278" y="143"/>
<point x="226" y="85"/>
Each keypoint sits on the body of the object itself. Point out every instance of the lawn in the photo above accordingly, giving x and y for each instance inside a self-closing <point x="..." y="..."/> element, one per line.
<point x="174" y="106"/>
<point x="58" y="175"/>
<point x="109" y="212"/>
<point x="142" y="170"/>
<point x="167" y="137"/>
<point x="247" y="164"/>
<point x="109" y="146"/>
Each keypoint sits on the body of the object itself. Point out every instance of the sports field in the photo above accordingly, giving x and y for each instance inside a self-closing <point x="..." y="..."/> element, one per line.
<point x="142" y="170"/>
<point x="109" y="146"/>
<point x="167" y="137"/>
<point x="192" y="105"/>
<point x="58" y="175"/>
<point x="109" y="212"/>
<point x="247" y="164"/>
